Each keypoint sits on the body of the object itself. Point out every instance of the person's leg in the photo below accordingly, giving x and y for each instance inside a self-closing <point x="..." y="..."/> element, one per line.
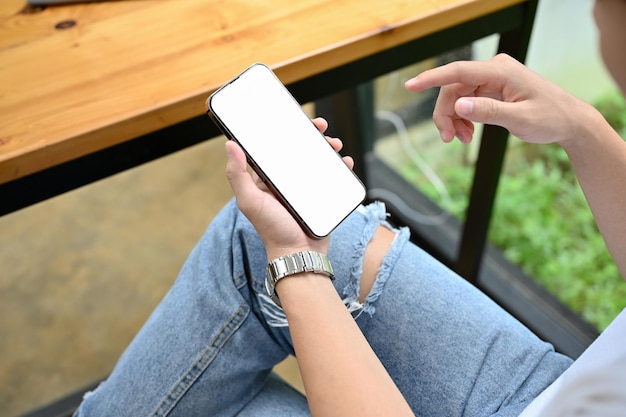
<point x="449" y="348"/>
<point x="204" y="350"/>
<point x="209" y="347"/>
<point x="277" y="399"/>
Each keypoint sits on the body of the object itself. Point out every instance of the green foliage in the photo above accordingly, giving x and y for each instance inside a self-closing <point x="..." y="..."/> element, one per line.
<point x="456" y="175"/>
<point x="542" y="223"/>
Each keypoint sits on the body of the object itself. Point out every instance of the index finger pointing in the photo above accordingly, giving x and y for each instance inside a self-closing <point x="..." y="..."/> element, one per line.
<point x="470" y="73"/>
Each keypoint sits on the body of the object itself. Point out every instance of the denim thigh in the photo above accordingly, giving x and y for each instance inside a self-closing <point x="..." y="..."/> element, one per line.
<point x="209" y="347"/>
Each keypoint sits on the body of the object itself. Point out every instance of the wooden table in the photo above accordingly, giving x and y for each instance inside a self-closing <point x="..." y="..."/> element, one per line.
<point x="91" y="89"/>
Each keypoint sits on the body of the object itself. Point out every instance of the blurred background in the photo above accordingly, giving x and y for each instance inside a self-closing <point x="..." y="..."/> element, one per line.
<point x="80" y="273"/>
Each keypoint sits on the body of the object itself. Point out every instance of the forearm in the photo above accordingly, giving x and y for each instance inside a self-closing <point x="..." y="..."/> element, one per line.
<point x="341" y="373"/>
<point x="598" y="156"/>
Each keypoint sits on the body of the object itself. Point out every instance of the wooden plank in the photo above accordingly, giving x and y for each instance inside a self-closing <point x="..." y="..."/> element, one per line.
<point x="127" y="68"/>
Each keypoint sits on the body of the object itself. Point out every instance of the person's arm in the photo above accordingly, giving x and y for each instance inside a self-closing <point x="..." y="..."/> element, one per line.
<point x="504" y="92"/>
<point x="341" y="373"/>
<point x="598" y="157"/>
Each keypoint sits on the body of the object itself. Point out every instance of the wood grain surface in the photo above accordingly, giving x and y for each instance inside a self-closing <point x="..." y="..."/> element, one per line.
<point x="80" y="78"/>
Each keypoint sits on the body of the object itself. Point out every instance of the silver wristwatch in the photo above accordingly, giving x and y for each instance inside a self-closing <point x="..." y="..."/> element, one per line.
<point x="305" y="261"/>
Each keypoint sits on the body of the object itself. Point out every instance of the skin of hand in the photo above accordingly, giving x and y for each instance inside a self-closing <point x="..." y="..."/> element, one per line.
<point x="276" y="226"/>
<point x="502" y="92"/>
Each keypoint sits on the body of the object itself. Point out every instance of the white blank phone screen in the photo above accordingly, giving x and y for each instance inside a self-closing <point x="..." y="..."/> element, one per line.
<point x="296" y="158"/>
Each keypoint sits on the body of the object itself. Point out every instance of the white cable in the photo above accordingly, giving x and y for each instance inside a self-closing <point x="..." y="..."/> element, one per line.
<point x="428" y="172"/>
<point x="396" y="201"/>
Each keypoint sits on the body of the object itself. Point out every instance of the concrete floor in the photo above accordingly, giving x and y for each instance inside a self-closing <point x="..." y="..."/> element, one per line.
<point x="80" y="273"/>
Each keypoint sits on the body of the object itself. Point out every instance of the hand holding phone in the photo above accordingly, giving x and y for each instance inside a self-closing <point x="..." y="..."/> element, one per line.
<point x="286" y="150"/>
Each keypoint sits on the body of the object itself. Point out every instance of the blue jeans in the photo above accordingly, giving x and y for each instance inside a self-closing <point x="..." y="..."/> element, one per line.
<point x="208" y="349"/>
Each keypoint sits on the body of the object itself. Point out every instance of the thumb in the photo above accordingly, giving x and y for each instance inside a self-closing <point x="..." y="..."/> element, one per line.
<point x="483" y="110"/>
<point x="236" y="169"/>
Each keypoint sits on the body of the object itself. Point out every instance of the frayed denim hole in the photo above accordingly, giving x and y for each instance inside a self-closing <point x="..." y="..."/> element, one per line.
<point x="386" y="268"/>
<point x="355" y="308"/>
<point x="375" y="215"/>
<point x="274" y="315"/>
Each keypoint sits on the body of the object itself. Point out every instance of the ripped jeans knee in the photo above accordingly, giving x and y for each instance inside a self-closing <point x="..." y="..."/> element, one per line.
<point x="363" y="252"/>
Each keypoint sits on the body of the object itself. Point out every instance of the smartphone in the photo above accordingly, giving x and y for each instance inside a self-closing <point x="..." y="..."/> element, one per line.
<point x="286" y="150"/>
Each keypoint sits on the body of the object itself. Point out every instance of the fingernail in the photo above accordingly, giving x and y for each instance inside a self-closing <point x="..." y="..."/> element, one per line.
<point x="464" y="106"/>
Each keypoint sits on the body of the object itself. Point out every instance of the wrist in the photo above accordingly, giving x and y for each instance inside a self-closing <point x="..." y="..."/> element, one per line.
<point x="303" y="264"/>
<point x="299" y="293"/>
<point x="588" y="127"/>
<point x="275" y="251"/>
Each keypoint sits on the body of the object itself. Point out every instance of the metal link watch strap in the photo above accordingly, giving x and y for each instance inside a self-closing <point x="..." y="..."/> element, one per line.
<point x="305" y="261"/>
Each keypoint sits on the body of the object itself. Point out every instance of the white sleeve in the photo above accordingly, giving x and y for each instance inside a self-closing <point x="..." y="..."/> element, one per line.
<point x="595" y="384"/>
